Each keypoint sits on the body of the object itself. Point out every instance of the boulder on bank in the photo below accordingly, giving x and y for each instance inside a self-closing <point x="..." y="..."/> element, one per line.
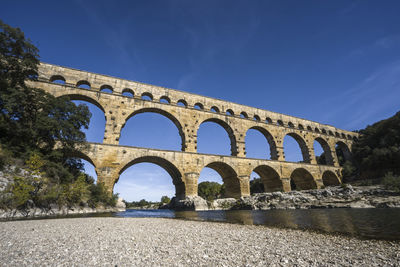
<point x="223" y="204"/>
<point x="120" y="206"/>
<point x="188" y="203"/>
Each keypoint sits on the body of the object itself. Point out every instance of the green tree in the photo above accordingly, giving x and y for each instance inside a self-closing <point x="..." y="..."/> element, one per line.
<point x="377" y="151"/>
<point x="165" y="200"/>
<point x="32" y="120"/>
<point x="210" y="190"/>
<point x="256" y="186"/>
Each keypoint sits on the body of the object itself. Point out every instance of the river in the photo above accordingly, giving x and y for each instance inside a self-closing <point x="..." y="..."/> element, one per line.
<point x="362" y="223"/>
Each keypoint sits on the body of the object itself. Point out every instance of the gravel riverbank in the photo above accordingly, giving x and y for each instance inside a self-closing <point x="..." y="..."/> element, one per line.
<point x="171" y="242"/>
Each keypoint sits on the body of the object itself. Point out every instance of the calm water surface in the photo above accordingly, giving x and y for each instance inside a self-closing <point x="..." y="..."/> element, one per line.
<point x="364" y="223"/>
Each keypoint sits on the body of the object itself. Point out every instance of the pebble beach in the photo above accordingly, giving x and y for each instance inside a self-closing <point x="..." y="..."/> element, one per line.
<point x="111" y="241"/>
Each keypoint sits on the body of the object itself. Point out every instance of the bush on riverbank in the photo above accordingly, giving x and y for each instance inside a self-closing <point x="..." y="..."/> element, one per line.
<point x="28" y="186"/>
<point x="391" y="182"/>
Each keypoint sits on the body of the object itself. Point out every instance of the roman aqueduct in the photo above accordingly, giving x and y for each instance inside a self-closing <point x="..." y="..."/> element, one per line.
<point x="124" y="99"/>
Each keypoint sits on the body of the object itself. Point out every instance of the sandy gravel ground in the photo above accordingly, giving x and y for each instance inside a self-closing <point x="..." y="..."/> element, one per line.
<point x="169" y="242"/>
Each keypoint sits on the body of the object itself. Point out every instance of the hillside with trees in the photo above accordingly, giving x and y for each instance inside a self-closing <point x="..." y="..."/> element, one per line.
<point x="376" y="154"/>
<point x="38" y="135"/>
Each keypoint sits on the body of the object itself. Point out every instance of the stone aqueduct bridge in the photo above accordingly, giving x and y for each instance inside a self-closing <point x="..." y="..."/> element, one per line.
<point x="188" y="111"/>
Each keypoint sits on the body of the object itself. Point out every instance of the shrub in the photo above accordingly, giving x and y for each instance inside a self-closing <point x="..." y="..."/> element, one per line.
<point x="391" y="182"/>
<point x="99" y="195"/>
<point x="165" y="200"/>
<point x="22" y="190"/>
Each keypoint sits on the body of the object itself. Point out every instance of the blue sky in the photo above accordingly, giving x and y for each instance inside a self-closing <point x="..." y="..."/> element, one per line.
<point x="335" y="62"/>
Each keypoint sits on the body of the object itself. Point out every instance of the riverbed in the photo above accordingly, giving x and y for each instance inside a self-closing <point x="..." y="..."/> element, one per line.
<point x="110" y="241"/>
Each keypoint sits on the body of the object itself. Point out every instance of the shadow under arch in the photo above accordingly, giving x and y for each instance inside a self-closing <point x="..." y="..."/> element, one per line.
<point x="303" y="146"/>
<point x="229" y="177"/>
<point x="165" y="114"/>
<point x="302" y="180"/>
<point x="170" y="168"/>
<point x="327" y="150"/>
<point x="344" y="152"/>
<point x="84" y="98"/>
<point x="329" y="178"/>
<point x="270" y="178"/>
<point x="229" y="131"/>
<point x="270" y="140"/>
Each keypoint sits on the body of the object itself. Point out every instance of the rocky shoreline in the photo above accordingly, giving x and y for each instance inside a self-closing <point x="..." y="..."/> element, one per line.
<point x="345" y="196"/>
<point x="55" y="210"/>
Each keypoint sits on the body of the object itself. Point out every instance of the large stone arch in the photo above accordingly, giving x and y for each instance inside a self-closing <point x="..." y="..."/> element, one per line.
<point x="302" y="179"/>
<point x="302" y="144"/>
<point x="327" y="150"/>
<point x="270" y="178"/>
<point x="169" y="167"/>
<point x="270" y="140"/>
<point x="228" y="129"/>
<point x="84" y="98"/>
<point x="229" y="177"/>
<point x="77" y="153"/>
<point x="329" y="178"/>
<point x="165" y="114"/>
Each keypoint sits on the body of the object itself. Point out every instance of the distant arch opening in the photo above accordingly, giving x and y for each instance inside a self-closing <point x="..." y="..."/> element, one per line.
<point x="290" y="124"/>
<point x="83" y="84"/>
<point x="128" y="92"/>
<point x="57" y="79"/>
<point x="147" y="96"/>
<point x="149" y="178"/>
<point x="244" y="115"/>
<point x="106" y="89"/>
<point x="330" y="179"/>
<point x="213" y="136"/>
<point x="268" y="120"/>
<point x="165" y="100"/>
<point x="309" y="128"/>
<point x="199" y="106"/>
<point x="322" y="151"/>
<point x="214" y="109"/>
<point x="256" y="118"/>
<point x="295" y="148"/>
<point x="301" y="127"/>
<point x="260" y="144"/>
<point x="229" y="177"/>
<point x="269" y="177"/>
<point x="182" y="103"/>
<point x="230" y="112"/>
<point x="302" y="180"/>
<point x="280" y="122"/>
<point x="170" y="135"/>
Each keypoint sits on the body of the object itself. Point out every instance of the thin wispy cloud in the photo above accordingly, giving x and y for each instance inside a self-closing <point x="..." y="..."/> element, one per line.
<point x="383" y="43"/>
<point x="374" y="98"/>
<point x="115" y="37"/>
